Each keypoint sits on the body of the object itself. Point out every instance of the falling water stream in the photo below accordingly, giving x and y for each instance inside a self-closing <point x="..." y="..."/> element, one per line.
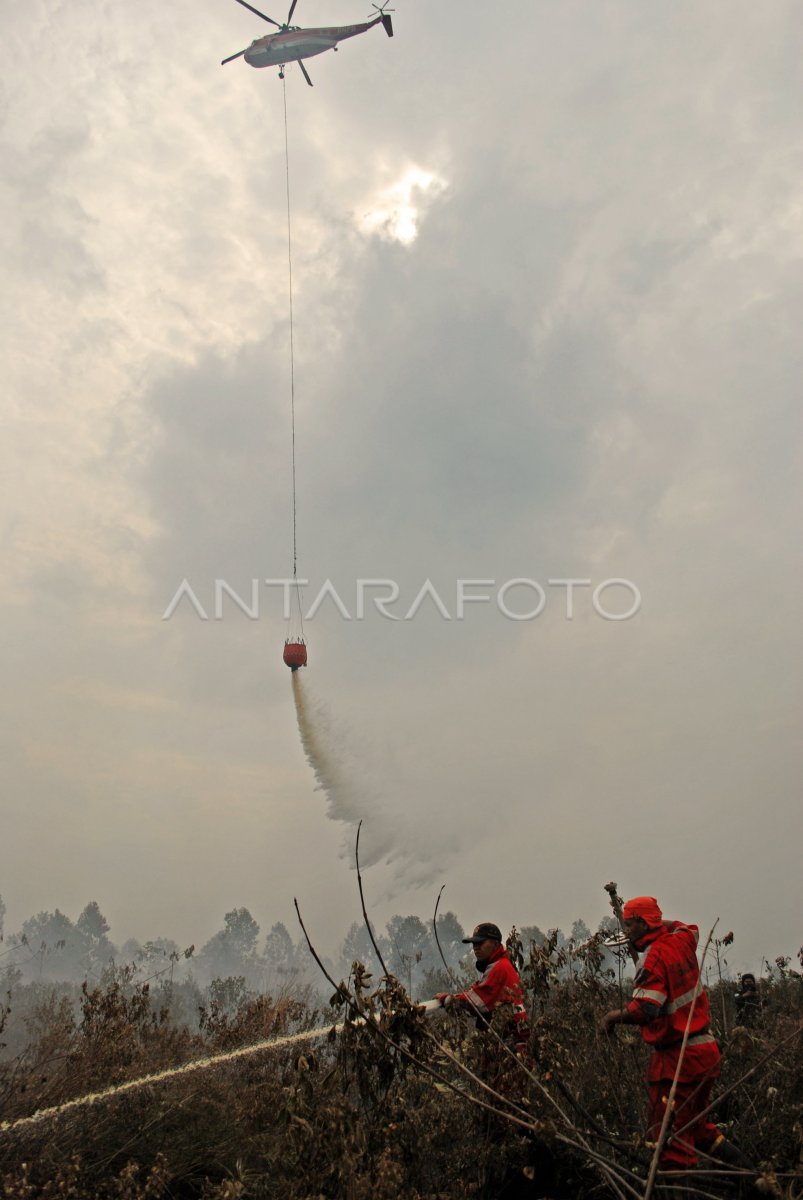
<point x="328" y="771"/>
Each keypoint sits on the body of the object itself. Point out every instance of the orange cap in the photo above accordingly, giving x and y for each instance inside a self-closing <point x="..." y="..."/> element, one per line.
<point x="645" y="907"/>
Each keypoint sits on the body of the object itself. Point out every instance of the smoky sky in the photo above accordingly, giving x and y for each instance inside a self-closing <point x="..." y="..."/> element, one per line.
<point x="546" y="308"/>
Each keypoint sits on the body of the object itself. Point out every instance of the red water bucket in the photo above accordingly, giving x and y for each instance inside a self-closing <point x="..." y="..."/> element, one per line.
<point x="295" y="655"/>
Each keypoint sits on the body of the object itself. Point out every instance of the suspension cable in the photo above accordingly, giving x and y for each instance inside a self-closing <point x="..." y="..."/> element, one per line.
<point x="292" y="351"/>
<point x="290" y="291"/>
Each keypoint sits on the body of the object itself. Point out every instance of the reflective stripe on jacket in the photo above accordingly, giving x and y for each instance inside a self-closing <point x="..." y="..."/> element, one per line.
<point x="665" y="986"/>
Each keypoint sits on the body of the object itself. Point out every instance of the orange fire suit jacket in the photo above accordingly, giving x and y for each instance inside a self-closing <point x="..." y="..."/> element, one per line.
<point x="664" y="992"/>
<point x="498" y="984"/>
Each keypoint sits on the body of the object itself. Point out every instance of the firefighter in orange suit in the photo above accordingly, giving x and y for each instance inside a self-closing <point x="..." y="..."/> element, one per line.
<point x="665" y="997"/>
<point x="499" y="983"/>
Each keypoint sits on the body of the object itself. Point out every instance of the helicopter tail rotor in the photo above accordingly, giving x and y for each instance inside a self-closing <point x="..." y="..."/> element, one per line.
<point x="384" y="15"/>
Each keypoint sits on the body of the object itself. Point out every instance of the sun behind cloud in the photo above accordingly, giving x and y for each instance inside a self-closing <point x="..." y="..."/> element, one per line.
<point x="394" y="212"/>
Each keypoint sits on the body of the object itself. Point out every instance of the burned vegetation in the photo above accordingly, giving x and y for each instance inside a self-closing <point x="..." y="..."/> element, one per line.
<point x="359" y="1094"/>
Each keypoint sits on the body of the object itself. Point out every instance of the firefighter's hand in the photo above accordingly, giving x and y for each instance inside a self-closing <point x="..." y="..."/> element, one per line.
<point x="610" y="1021"/>
<point x="445" y="998"/>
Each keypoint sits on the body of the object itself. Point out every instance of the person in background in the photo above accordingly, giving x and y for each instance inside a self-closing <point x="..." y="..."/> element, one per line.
<point x="747" y="1000"/>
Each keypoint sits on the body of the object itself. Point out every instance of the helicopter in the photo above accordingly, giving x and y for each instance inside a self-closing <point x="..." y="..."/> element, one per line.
<point x="292" y="43"/>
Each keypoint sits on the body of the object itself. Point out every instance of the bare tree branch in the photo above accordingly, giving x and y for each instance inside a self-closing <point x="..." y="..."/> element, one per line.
<point x="362" y="902"/>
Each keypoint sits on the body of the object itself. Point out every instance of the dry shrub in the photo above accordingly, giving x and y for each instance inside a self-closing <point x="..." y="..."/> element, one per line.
<point x="378" y="1109"/>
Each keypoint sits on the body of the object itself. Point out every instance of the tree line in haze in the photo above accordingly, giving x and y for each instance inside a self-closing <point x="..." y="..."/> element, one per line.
<point x="51" y="947"/>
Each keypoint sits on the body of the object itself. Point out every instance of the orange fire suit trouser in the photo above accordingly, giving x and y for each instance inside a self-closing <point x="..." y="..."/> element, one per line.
<point x="690" y="1099"/>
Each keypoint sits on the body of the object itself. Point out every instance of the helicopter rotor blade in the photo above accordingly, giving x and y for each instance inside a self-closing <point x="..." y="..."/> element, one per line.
<point x="304" y="72"/>
<point x="259" y="14"/>
<point x="232" y="57"/>
<point x="292" y="10"/>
